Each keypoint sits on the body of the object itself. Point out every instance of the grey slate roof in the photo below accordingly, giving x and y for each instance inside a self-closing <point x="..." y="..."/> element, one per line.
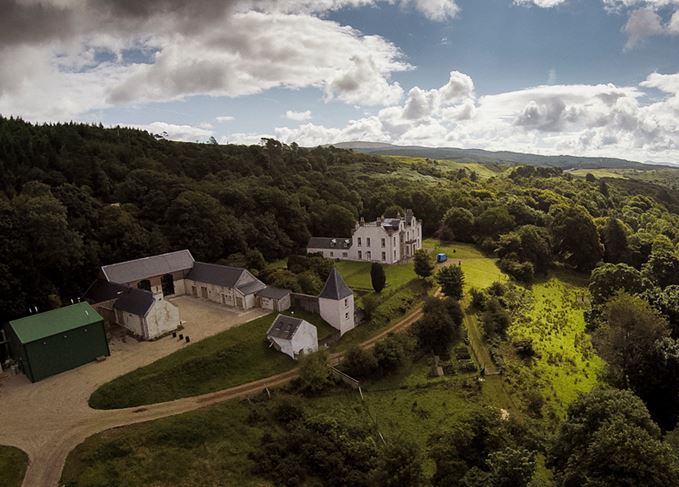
<point x="251" y="287"/>
<point x="327" y="243"/>
<point x="284" y="327"/>
<point x="273" y="292"/>
<point x="335" y="287"/>
<point x="102" y="290"/>
<point x="220" y="275"/>
<point x="135" y="301"/>
<point x="144" y="268"/>
<point x="392" y="223"/>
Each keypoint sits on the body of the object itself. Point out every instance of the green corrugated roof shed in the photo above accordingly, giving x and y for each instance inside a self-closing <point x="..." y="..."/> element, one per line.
<point x="43" y="325"/>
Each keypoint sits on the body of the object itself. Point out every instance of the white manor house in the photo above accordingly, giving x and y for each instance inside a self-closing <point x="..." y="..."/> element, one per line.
<point x="386" y="240"/>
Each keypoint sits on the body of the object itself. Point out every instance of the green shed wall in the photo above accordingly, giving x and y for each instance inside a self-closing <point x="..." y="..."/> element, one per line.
<point x="59" y="353"/>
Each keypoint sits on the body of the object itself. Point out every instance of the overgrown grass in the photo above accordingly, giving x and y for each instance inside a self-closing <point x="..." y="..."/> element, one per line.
<point x="206" y="447"/>
<point x="230" y="358"/>
<point x="210" y="446"/>
<point x="566" y="362"/>
<point x="13" y="463"/>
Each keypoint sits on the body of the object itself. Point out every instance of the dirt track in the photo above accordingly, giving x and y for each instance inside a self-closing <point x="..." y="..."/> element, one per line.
<point x="61" y="433"/>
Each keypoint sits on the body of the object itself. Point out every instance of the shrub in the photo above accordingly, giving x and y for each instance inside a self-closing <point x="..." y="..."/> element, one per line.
<point x="359" y="363"/>
<point x="520" y="271"/>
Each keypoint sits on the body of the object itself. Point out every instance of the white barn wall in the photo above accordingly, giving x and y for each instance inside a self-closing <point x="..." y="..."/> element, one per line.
<point x="162" y="318"/>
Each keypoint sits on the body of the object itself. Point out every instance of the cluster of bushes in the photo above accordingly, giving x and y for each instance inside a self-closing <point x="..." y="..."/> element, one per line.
<point x="304" y="274"/>
<point x="439" y="327"/>
<point x="385" y="357"/>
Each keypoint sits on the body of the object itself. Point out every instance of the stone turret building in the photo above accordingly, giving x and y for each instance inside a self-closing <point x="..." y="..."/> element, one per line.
<point x="336" y="303"/>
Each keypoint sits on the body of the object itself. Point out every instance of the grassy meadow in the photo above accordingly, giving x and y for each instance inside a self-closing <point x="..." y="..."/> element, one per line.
<point x="566" y="363"/>
<point x="227" y="359"/>
<point x="13" y="463"/>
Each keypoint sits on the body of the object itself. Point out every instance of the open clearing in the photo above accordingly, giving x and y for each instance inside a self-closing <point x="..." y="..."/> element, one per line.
<point x="566" y="363"/>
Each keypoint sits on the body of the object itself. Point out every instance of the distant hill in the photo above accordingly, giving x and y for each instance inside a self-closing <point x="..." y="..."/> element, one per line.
<point x="502" y="157"/>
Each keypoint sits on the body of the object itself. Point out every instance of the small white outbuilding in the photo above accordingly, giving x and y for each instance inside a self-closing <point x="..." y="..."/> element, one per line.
<point x="292" y="336"/>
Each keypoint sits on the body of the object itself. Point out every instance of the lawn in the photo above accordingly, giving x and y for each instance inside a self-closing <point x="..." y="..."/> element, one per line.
<point x="13" y="463"/>
<point x="567" y="363"/>
<point x="233" y="357"/>
<point x="480" y="271"/>
<point x="357" y="275"/>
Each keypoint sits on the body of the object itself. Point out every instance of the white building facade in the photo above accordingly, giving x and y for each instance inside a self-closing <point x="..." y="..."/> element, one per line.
<point x="386" y="240"/>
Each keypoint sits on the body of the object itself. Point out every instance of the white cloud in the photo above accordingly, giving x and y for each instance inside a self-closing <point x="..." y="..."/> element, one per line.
<point x="596" y="120"/>
<point x="437" y="10"/>
<point x="540" y="3"/>
<point x="225" y="118"/>
<point x="298" y="116"/>
<point x="220" y="51"/>
<point x="641" y="24"/>
<point x="185" y="133"/>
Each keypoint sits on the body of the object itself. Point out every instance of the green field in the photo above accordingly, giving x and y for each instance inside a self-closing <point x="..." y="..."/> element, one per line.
<point x="484" y="171"/>
<point x="554" y="321"/>
<point x="357" y="275"/>
<point x="210" y="446"/>
<point x="230" y="358"/>
<point x="13" y="463"/>
<point x="206" y="447"/>
<point x="599" y="173"/>
<point x="480" y="271"/>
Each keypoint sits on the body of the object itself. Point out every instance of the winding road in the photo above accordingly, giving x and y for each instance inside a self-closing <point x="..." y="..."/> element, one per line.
<point x="49" y="434"/>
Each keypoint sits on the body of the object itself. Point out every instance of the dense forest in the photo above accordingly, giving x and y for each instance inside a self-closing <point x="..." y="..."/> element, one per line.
<point x="75" y="197"/>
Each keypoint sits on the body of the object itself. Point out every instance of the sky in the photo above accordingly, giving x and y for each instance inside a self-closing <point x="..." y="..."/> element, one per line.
<point x="580" y="77"/>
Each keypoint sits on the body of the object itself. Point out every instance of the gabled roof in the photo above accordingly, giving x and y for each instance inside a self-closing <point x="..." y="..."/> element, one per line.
<point x="146" y="267"/>
<point x="335" y="287"/>
<point x="43" y="325"/>
<point x="135" y="301"/>
<point x="284" y="327"/>
<point x="102" y="290"/>
<point x="392" y="223"/>
<point x="273" y="293"/>
<point x="220" y="275"/>
<point x="251" y="287"/>
<point x="329" y="243"/>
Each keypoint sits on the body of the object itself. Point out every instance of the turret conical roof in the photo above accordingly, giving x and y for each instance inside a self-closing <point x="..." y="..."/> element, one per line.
<point x="335" y="287"/>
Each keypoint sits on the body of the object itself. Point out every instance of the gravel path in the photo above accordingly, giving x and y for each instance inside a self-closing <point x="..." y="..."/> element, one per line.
<point x="50" y="418"/>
